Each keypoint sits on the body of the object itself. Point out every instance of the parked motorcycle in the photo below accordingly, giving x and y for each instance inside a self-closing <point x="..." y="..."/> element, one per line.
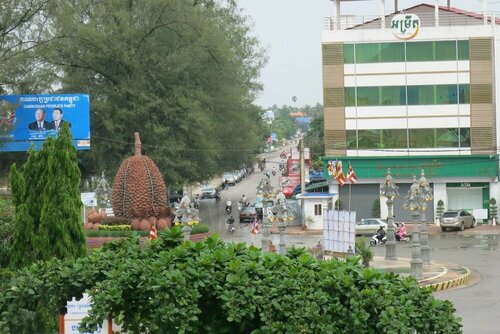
<point x="374" y="241"/>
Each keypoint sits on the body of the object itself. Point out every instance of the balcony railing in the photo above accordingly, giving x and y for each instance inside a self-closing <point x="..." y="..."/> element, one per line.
<point x="348" y="22"/>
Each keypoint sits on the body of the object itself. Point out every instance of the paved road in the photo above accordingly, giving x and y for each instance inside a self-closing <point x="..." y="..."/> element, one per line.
<point x="478" y="305"/>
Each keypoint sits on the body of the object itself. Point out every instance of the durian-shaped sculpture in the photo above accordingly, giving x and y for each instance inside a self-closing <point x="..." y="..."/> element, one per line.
<point x="139" y="193"/>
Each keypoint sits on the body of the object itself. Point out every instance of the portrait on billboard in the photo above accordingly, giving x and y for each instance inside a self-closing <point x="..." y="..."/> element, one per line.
<point x="38" y="117"/>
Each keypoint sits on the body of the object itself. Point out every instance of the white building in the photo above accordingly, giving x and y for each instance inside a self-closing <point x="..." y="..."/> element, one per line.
<point x="414" y="90"/>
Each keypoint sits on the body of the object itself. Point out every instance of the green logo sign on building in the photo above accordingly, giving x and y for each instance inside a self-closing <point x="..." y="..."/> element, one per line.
<point x="405" y="26"/>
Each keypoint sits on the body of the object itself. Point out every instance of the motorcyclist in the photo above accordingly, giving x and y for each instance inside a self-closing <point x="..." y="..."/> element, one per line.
<point x="274" y="170"/>
<point x="380" y="233"/>
<point x="401" y="232"/>
<point x="244" y="200"/>
<point x="229" y="224"/>
<point x="229" y="206"/>
<point x="217" y="196"/>
<point x="197" y="201"/>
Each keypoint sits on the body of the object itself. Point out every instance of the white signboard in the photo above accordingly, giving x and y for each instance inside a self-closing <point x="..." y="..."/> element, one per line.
<point x="76" y="311"/>
<point x="338" y="230"/>
<point x="109" y="212"/>
<point x="405" y="26"/>
<point x="89" y="199"/>
<point x="296" y="153"/>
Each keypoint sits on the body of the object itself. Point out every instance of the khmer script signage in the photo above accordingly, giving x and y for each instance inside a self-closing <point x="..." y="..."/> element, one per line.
<point x="405" y="26"/>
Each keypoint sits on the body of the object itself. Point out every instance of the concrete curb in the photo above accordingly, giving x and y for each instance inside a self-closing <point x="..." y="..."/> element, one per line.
<point x="456" y="282"/>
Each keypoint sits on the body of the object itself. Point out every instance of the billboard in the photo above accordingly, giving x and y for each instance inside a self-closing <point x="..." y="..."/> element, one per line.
<point x="32" y="118"/>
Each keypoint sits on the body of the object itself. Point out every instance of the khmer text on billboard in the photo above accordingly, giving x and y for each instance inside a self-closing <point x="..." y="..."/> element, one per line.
<point x="27" y="120"/>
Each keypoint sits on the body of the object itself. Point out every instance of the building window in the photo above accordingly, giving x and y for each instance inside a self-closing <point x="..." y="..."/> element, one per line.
<point x="318" y="210"/>
<point x="417" y="95"/>
<point x="364" y="53"/>
<point x="418" y="138"/>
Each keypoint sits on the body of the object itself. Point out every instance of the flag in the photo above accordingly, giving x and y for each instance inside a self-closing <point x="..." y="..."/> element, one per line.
<point x="330" y="168"/>
<point x="339" y="175"/>
<point x="255" y="226"/>
<point x="351" y="176"/>
<point x="153" y="234"/>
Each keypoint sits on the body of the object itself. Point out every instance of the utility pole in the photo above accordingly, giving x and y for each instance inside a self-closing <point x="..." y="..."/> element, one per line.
<point x="302" y="177"/>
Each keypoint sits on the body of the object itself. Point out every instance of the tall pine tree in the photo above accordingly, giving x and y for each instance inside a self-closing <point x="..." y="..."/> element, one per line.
<point x="47" y="199"/>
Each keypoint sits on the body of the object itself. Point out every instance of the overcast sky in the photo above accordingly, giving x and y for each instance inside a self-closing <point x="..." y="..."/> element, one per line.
<point x="290" y="31"/>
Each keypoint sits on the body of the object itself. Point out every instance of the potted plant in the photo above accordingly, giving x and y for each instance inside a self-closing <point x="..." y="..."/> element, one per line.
<point x="440" y="209"/>
<point x="363" y="249"/>
<point x="493" y="209"/>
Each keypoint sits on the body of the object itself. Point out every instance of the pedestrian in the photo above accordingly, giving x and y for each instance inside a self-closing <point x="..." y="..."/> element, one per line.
<point x="226" y="184"/>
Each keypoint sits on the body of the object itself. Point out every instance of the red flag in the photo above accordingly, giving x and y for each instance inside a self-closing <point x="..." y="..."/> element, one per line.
<point x="339" y="175"/>
<point x="153" y="234"/>
<point x="351" y="176"/>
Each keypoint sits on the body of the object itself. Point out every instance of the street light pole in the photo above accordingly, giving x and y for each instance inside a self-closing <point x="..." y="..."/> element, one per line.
<point x="390" y="191"/>
<point x="413" y="203"/>
<point x="426" y="193"/>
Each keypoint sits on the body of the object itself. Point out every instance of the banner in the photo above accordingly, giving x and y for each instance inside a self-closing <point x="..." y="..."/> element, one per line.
<point x="33" y="118"/>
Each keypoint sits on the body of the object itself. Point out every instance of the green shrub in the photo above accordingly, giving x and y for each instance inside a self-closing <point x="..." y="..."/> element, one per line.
<point x="338" y="205"/>
<point x="6" y="231"/>
<point x="363" y="249"/>
<point x="115" y="228"/>
<point x="116" y="234"/>
<point x="113" y="221"/>
<point x="200" y="228"/>
<point x="213" y="287"/>
<point x="376" y="208"/>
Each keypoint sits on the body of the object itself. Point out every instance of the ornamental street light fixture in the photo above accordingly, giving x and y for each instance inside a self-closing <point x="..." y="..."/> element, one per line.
<point x="281" y="214"/>
<point x="413" y="203"/>
<point x="426" y="194"/>
<point x="186" y="215"/>
<point x="390" y="191"/>
<point x="266" y="190"/>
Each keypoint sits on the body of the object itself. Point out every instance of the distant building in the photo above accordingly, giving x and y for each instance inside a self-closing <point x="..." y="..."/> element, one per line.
<point x="410" y="90"/>
<point x="268" y="116"/>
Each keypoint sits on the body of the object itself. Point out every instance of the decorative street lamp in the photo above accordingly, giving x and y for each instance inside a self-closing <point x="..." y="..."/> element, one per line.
<point x="266" y="190"/>
<point x="390" y="191"/>
<point x="426" y="193"/>
<point x="281" y="215"/>
<point x="186" y="215"/>
<point x="413" y="203"/>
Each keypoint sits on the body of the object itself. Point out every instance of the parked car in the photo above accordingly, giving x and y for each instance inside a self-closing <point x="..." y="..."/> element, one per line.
<point x="458" y="219"/>
<point x="248" y="213"/>
<point x="208" y="192"/>
<point x="230" y="178"/>
<point x="369" y="226"/>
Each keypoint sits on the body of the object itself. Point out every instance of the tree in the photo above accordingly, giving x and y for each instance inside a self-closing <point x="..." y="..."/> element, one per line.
<point x="182" y="73"/>
<point x="314" y="139"/>
<point x="376" y="208"/>
<point x="212" y="287"/>
<point x="47" y="201"/>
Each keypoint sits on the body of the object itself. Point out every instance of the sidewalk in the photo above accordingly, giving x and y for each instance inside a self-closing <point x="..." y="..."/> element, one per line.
<point x="438" y="275"/>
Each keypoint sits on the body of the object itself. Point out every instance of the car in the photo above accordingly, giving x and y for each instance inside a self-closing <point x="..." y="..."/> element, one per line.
<point x="248" y="213"/>
<point x="230" y="179"/>
<point x="208" y="192"/>
<point x="369" y="226"/>
<point x="457" y="219"/>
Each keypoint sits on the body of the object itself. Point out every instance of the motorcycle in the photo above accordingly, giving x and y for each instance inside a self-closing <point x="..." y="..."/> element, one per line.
<point x="374" y="241"/>
<point x="217" y="198"/>
<point x="274" y="173"/>
<point x="406" y="238"/>
<point x="230" y="227"/>
<point x="229" y="210"/>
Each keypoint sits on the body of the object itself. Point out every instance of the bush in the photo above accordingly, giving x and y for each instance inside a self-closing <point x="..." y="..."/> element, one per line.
<point x="338" y="205"/>
<point x="376" y="208"/>
<point x="113" y="221"/>
<point x="213" y="287"/>
<point x="200" y="228"/>
<point x="363" y="249"/>
<point x="6" y="231"/>
<point x="116" y="234"/>
<point x="115" y="228"/>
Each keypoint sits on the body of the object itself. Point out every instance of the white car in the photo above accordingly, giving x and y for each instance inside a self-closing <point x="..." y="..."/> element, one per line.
<point x="369" y="226"/>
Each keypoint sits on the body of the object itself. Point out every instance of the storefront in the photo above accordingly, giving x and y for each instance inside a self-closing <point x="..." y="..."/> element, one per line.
<point x="460" y="182"/>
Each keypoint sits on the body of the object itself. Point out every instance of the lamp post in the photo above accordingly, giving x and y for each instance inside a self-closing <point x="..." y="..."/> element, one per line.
<point x="266" y="190"/>
<point x="390" y="191"/>
<point x="413" y="203"/>
<point x="186" y="215"/>
<point x="426" y="194"/>
<point x="282" y="216"/>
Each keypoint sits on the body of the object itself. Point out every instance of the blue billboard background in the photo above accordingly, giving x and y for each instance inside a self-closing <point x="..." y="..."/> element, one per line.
<point x="51" y="112"/>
